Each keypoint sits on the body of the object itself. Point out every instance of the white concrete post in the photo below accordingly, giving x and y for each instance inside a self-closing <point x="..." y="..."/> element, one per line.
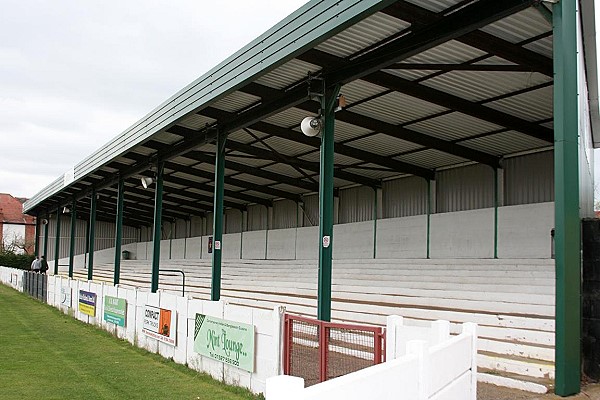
<point x="419" y="348"/>
<point x="471" y="329"/>
<point x="440" y="331"/>
<point x="283" y="387"/>
<point x="393" y="322"/>
<point x="278" y="339"/>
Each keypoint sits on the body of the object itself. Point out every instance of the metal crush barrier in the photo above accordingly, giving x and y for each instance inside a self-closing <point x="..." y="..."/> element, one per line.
<point x="36" y="285"/>
<point x="317" y="350"/>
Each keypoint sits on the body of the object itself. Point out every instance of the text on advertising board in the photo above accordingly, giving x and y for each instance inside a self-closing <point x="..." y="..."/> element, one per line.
<point x="87" y="303"/>
<point x="226" y="341"/>
<point x="115" y="310"/>
<point x="160" y="324"/>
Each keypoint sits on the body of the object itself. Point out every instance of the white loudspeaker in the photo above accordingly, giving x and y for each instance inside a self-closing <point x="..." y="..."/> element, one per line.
<point x="311" y="126"/>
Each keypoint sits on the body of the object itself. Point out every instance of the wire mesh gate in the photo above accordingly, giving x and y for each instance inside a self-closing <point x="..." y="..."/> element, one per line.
<point x="317" y="350"/>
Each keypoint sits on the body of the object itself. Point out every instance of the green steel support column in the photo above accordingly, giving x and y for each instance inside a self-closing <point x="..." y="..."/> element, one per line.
<point x="36" y="249"/>
<point x="326" y="206"/>
<point x="495" y="212"/>
<point x="57" y="241"/>
<point x="72" y="247"/>
<point x="87" y="243"/>
<point x="567" y="221"/>
<point x="428" y="214"/>
<point x="45" y="252"/>
<point x="157" y="226"/>
<point x="215" y="288"/>
<point x="375" y="211"/>
<point x="119" y="230"/>
<point x="92" y="235"/>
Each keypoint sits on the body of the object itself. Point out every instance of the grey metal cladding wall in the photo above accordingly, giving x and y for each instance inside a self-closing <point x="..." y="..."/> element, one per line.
<point x="311" y="210"/>
<point x="285" y="214"/>
<point x="196" y="228"/>
<point x="404" y="197"/>
<point x="356" y="204"/>
<point x="104" y="237"/>
<point x="465" y="188"/>
<point x="257" y="217"/>
<point x="209" y="224"/>
<point x="233" y="221"/>
<point x="311" y="24"/>
<point x="529" y="179"/>
<point x="181" y="229"/>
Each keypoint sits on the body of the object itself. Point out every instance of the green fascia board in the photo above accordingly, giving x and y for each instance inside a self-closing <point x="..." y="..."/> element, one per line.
<point x="308" y="26"/>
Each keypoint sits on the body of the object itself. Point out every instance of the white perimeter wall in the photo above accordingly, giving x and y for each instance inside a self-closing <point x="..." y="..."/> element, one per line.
<point x="523" y="232"/>
<point x="267" y="323"/>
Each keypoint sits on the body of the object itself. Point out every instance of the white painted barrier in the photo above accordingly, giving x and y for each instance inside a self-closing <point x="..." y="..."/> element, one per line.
<point x="438" y="368"/>
<point x="267" y="324"/>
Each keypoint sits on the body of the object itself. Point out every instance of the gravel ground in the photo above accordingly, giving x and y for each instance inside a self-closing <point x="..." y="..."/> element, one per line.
<point x="490" y="392"/>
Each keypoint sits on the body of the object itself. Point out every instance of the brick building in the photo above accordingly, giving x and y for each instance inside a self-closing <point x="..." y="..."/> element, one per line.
<point x="16" y="227"/>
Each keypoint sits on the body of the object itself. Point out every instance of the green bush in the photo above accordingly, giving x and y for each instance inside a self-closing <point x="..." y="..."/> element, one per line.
<point x="20" y="261"/>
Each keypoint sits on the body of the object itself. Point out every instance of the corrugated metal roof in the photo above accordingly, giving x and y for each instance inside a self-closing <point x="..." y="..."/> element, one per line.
<point x="367" y="32"/>
<point x="431" y="159"/>
<point x="339" y="159"/>
<point x="196" y="121"/>
<point x="358" y="90"/>
<point x="236" y="101"/>
<point x="543" y="46"/>
<point x="278" y="70"/>
<point x="284" y="169"/>
<point x="435" y="5"/>
<point x="345" y="131"/>
<point x="531" y="106"/>
<point x="520" y="26"/>
<point x="287" y="147"/>
<point x="453" y="126"/>
<point x="397" y="108"/>
<point x="504" y="143"/>
<point x="243" y="137"/>
<point x="288" y="74"/>
<point x="384" y="145"/>
<point x="292" y="117"/>
<point x="242" y="158"/>
<point x="481" y="85"/>
<point x="452" y="52"/>
<point x="288" y="188"/>
<point x="165" y="137"/>
<point x="374" y="173"/>
<point x="254" y="179"/>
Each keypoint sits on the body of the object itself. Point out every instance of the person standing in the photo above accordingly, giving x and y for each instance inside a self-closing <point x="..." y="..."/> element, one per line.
<point x="36" y="265"/>
<point x="43" y="265"/>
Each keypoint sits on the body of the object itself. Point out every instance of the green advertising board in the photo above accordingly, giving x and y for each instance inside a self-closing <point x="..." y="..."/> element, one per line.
<point x="115" y="310"/>
<point x="226" y="341"/>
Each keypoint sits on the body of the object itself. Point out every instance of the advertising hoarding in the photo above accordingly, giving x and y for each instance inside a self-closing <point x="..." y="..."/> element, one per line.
<point x="226" y="341"/>
<point x="160" y="324"/>
<point x="115" y="310"/>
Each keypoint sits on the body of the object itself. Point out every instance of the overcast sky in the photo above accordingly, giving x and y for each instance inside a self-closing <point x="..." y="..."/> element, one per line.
<point x="76" y="73"/>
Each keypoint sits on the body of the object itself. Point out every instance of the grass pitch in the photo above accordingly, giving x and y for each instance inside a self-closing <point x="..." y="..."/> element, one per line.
<point x="45" y="354"/>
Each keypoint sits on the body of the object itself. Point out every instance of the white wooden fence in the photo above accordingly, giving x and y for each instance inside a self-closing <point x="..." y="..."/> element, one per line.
<point x="440" y="367"/>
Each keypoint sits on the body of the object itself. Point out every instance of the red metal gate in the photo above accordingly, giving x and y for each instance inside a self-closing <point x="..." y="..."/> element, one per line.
<point x="317" y="350"/>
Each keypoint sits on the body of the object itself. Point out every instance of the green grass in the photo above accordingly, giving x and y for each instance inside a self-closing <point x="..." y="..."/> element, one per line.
<point x="45" y="354"/>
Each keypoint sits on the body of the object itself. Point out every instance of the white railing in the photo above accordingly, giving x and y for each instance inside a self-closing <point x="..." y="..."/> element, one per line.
<point x="439" y="367"/>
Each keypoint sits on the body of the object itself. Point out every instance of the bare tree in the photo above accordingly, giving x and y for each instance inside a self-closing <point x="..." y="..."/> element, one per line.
<point x="16" y="244"/>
